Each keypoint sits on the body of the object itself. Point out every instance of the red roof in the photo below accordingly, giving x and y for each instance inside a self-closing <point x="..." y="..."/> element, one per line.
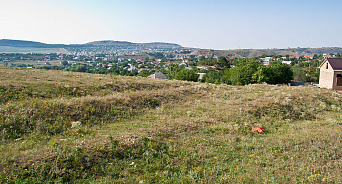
<point x="294" y="57"/>
<point x="335" y="63"/>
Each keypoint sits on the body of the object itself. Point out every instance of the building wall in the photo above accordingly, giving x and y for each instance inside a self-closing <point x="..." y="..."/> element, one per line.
<point x="326" y="79"/>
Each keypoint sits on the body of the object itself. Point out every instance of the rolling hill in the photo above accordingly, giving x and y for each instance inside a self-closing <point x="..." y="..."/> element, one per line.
<point x="28" y="44"/>
<point x="64" y="127"/>
<point x="153" y="44"/>
<point x="109" y="45"/>
<point x="259" y="52"/>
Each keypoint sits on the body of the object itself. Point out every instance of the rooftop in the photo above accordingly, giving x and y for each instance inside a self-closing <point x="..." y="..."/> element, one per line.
<point x="335" y="63"/>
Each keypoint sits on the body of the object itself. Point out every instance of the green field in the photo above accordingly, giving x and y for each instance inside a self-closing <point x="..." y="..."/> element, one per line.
<point x="63" y="127"/>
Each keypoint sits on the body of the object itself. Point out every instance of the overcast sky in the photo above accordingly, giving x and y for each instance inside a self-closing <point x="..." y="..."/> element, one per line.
<point x="211" y="24"/>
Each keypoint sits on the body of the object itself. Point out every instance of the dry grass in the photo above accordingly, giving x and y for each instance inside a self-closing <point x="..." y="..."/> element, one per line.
<point x="136" y="129"/>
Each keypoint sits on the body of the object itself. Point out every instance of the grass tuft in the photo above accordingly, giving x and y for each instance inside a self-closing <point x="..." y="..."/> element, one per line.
<point x="62" y="127"/>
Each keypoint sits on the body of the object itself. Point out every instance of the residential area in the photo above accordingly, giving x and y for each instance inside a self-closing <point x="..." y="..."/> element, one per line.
<point x="208" y="68"/>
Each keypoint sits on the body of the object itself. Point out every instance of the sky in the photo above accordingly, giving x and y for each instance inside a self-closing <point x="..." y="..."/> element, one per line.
<point x="207" y="24"/>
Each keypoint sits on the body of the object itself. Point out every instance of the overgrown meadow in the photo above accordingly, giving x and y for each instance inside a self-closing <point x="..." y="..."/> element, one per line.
<point x="63" y="127"/>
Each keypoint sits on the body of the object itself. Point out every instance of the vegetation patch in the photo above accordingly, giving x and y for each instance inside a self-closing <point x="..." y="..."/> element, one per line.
<point x="56" y="116"/>
<point x="70" y="164"/>
<point x="131" y="130"/>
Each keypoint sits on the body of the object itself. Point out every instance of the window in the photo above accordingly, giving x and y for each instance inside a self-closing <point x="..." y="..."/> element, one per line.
<point x="327" y="66"/>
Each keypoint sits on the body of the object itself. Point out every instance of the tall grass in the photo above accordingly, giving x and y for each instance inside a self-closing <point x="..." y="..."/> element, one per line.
<point x="114" y="129"/>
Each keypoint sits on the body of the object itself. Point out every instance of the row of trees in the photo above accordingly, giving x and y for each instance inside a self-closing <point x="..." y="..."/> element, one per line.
<point x="254" y="72"/>
<point x="247" y="71"/>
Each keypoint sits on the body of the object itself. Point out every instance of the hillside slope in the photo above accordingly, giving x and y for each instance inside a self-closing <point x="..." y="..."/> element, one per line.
<point x="153" y="44"/>
<point x="28" y="44"/>
<point x="76" y="127"/>
<point x="259" y="52"/>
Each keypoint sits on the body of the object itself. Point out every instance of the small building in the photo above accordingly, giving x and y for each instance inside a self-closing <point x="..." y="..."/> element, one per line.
<point x="287" y="62"/>
<point x="308" y="57"/>
<point x="158" y="75"/>
<point x="331" y="74"/>
<point x="201" y="75"/>
<point x="266" y="60"/>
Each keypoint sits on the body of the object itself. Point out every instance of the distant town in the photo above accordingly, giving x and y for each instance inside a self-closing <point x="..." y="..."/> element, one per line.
<point x="172" y="61"/>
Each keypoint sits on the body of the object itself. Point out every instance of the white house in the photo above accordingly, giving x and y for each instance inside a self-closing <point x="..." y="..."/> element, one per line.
<point x="158" y="75"/>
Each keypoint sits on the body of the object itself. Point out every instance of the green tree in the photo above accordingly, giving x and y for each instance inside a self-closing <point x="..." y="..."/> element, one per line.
<point x="222" y="63"/>
<point x="146" y="60"/>
<point x="144" y="73"/>
<point x="173" y="69"/>
<point x="212" y="77"/>
<point x="201" y="58"/>
<point x="188" y="75"/>
<point x="244" y="73"/>
<point x="64" y="63"/>
<point x="81" y="68"/>
<point x="275" y="73"/>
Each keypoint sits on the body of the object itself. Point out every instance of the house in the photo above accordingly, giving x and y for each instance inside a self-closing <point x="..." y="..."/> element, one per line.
<point x="325" y="56"/>
<point x="308" y="57"/>
<point x="158" y="75"/>
<point x="297" y="57"/>
<point x="266" y="60"/>
<point x="201" y="75"/>
<point x="287" y="62"/>
<point x="331" y="74"/>
<point x="132" y="68"/>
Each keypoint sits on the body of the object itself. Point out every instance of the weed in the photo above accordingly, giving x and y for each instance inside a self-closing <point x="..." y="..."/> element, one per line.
<point x="62" y="127"/>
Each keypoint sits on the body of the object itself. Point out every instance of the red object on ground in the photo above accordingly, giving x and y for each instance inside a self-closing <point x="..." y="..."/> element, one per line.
<point x="259" y="130"/>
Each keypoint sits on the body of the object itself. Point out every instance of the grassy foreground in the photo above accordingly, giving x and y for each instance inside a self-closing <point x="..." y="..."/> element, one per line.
<point x="83" y="128"/>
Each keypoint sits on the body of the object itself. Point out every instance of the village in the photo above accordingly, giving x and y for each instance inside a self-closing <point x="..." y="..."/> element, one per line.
<point x="208" y="68"/>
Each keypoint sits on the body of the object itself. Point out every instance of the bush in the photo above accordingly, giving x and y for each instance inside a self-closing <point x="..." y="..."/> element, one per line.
<point x="187" y="75"/>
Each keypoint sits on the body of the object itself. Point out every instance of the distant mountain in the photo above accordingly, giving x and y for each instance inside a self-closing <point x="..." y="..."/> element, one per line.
<point x="33" y="44"/>
<point x="161" y="44"/>
<point x="259" y="52"/>
<point x="109" y="42"/>
<point x="104" y="46"/>
<point x="117" y="43"/>
<point x="28" y="44"/>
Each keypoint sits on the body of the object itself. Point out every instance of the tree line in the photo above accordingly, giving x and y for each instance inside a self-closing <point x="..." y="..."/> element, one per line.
<point x="246" y="71"/>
